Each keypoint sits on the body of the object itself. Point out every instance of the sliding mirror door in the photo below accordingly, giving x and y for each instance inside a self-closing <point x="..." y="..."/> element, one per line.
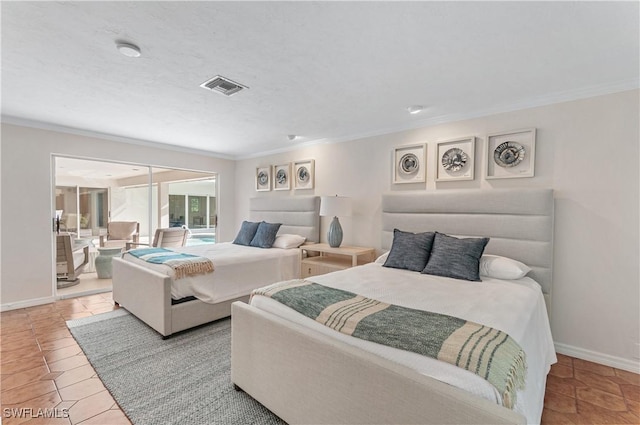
<point x="188" y="199"/>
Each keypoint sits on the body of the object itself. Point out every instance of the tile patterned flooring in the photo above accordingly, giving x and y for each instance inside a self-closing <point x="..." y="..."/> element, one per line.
<point x="42" y="367"/>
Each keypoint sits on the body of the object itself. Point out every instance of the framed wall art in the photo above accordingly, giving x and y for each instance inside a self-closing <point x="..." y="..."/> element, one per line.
<point x="409" y="164"/>
<point x="303" y="174"/>
<point x="511" y="154"/>
<point x="282" y="177"/>
<point x="263" y="179"/>
<point x="455" y="159"/>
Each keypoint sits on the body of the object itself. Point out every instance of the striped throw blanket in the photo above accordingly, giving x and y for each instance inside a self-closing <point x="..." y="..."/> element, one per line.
<point x="182" y="264"/>
<point x="487" y="352"/>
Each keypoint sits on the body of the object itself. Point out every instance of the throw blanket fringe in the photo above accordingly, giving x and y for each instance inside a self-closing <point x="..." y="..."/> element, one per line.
<point x="487" y="352"/>
<point x="182" y="264"/>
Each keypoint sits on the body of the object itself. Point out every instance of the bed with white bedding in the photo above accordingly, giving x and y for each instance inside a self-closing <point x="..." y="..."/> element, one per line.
<point x="306" y="372"/>
<point x="150" y="291"/>
<point x="237" y="269"/>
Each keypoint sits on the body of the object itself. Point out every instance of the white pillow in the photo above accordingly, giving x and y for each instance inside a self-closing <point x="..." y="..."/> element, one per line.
<point x="381" y="259"/>
<point x="287" y="241"/>
<point x="502" y="267"/>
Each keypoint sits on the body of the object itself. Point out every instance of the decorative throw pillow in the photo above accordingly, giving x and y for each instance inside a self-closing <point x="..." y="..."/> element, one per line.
<point x="247" y="232"/>
<point x="502" y="267"/>
<point x="456" y="258"/>
<point x="265" y="235"/>
<point x="409" y="251"/>
<point x="287" y="241"/>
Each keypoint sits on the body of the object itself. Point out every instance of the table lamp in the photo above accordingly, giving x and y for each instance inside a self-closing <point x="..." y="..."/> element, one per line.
<point x="335" y="206"/>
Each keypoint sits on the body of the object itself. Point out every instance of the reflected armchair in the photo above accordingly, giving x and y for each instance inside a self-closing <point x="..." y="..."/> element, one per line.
<point x="167" y="237"/>
<point x="70" y="263"/>
<point x="119" y="233"/>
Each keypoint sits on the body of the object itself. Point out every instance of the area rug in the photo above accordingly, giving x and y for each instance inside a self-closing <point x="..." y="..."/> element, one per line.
<point x="185" y="379"/>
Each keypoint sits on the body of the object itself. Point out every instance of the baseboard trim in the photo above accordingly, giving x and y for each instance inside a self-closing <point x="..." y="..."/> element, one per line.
<point x="594" y="356"/>
<point x="84" y="293"/>
<point x="28" y="303"/>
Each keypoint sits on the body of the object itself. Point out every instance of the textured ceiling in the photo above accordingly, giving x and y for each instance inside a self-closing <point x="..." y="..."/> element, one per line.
<point x="327" y="71"/>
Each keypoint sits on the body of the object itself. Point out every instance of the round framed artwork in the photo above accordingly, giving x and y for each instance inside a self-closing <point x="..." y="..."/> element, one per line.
<point x="409" y="164"/>
<point x="281" y="177"/>
<point x="303" y="174"/>
<point x="509" y="154"/>
<point x="454" y="159"/>
<point x="263" y="178"/>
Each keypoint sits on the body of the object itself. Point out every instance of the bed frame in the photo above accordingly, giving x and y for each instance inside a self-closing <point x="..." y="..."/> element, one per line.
<point x="306" y="377"/>
<point x="147" y="294"/>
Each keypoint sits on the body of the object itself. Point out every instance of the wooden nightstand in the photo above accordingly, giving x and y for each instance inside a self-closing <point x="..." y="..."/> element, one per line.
<point x="333" y="259"/>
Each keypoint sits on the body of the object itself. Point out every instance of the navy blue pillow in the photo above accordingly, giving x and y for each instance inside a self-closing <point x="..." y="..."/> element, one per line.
<point x="265" y="235"/>
<point x="247" y="232"/>
<point x="455" y="257"/>
<point x="409" y="251"/>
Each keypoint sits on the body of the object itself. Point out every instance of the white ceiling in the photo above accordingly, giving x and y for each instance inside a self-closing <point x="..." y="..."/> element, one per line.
<point x="327" y="71"/>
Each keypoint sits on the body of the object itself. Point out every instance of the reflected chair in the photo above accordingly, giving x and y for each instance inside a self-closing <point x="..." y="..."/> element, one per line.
<point x="119" y="233"/>
<point x="69" y="222"/>
<point x="166" y="237"/>
<point x="70" y="263"/>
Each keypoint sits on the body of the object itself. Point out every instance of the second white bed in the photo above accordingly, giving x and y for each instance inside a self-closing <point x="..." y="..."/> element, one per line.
<point x="515" y="307"/>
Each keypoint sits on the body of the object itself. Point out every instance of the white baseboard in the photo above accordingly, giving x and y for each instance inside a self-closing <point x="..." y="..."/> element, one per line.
<point x="27" y="303"/>
<point x="593" y="356"/>
<point x="84" y="293"/>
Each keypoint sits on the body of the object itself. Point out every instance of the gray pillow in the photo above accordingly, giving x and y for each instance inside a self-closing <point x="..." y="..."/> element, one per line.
<point x="455" y="257"/>
<point x="409" y="251"/>
<point x="246" y="233"/>
<point x="265" y="235"/>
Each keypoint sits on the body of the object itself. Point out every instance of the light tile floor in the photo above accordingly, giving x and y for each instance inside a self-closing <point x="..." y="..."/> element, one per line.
<point x="42" y="367"/>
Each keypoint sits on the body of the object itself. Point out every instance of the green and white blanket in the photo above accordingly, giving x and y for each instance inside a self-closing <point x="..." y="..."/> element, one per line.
<point x="182" y="264"/>
<point x="487" y="352"/>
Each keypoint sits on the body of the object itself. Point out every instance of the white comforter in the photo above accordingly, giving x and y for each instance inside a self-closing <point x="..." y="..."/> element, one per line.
<point x="516" y="307"/>
<point x="238" y="270"/>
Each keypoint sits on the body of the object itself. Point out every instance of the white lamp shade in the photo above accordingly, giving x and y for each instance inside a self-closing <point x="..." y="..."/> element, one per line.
<point x="335" y="206"/>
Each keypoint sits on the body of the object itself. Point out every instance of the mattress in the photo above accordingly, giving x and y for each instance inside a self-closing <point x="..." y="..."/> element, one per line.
<point x="238" y="270"/>
<point x="516" y="307"/>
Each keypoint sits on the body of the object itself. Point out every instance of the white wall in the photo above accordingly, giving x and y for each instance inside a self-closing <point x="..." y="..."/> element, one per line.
<point x="586" y="150"/>
<point x="27" y="273"/>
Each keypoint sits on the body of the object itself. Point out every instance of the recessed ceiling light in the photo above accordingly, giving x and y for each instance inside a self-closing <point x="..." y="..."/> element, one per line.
<point x="415" y="109"/>
<point x="128" y="49"/>
<point x="292" y="137"/>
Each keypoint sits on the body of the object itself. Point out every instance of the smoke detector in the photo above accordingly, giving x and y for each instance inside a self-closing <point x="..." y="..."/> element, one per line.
<point x="223" y="85"/>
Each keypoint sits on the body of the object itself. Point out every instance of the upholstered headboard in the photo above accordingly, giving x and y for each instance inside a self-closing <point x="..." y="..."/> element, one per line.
<point x="299" y="215"/>
<point x="518" y="221"/>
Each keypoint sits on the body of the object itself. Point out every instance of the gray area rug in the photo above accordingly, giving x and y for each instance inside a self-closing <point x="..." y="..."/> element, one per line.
<point x="185" y="379"/>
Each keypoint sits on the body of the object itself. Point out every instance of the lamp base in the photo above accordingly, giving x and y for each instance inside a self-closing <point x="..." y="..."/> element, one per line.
<point x="334" y="235"/>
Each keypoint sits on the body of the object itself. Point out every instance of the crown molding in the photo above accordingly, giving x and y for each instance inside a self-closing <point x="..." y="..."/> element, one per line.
<point x="534" y="102"/>
<point x="23" y="122"/>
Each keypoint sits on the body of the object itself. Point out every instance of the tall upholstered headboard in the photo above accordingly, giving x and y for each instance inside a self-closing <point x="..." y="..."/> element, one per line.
<point x="299" y="215"/>
<point x="518" y="221"/>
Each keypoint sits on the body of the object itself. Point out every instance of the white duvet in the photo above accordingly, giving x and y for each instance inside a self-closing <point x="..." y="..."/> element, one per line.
<point x="238" y="270"/>
<point x="516" y="307"/>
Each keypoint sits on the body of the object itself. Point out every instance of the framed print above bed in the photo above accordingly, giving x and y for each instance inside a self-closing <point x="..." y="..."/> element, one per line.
<point x="303" y="174"/>
<point x="263" y="179"/>
<point x="455" y="159"/>
<point x="510" y="154"/>
<point x="409" y="164"/>
<point x="282" y="177"/>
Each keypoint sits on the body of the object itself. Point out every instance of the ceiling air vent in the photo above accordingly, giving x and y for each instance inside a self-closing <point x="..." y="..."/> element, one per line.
<point x="223" y="85"/>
